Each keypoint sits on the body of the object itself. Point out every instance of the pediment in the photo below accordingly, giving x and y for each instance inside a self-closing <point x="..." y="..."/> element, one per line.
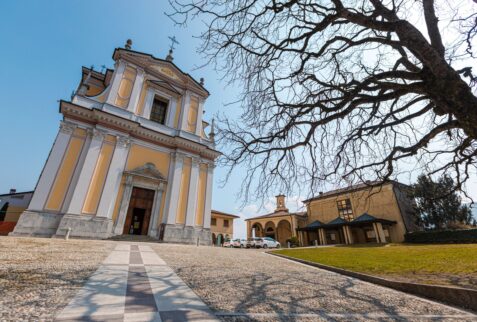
<point x="166" y="71"/>
<point x="148" y="171"/>
<point x="165" y="85"/>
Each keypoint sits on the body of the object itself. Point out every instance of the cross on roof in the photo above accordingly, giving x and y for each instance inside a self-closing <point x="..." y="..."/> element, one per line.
<point x="173" y="42"/>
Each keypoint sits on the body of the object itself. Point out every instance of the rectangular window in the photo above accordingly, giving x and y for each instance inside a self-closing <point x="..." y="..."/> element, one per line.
<point x="213" y="222"/>
<point x="344" y="209"/>
<point x="159" y="110"/>
<point x="226" y="222"/>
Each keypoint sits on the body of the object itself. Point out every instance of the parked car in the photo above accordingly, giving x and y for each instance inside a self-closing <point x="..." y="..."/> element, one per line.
<point x="236" y="243"/>
<point x="268" y="242"/>
<point x="254" y="242"/>
<point x="227" y="243"/>
<point x="243" y="243"/>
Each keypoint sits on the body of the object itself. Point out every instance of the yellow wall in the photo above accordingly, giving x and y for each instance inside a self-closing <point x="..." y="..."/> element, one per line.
<point x="142" y="99"/>
<point x="219" y="227"/>
<point x="192" y="117"/>
<point x="379" y="202"/>
<point x="184" y="191"/>
<point x="138" y="156"/>
<point x="65" y="172"/>
<point x="199" y="215"/>
<point x="125" y="87"/>
<point x="99" y="175"/>
<point x="13" y="213"/>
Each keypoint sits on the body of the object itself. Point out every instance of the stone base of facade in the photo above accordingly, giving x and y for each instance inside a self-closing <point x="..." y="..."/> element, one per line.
<point x="84" y="226"/>
<point x="38" y="224"/>
<point x="186" y="235"/>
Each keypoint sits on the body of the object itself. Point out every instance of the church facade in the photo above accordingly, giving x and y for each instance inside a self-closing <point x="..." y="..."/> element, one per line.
<point x="131" y="157"/>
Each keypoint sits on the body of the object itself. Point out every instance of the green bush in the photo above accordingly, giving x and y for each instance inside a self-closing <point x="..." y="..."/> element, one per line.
<point x="442" y="236"/>
<point x="294" y="242"/>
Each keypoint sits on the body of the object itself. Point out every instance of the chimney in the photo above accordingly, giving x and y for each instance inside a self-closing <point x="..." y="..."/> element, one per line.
<point x="13" y="190"/>
<point x="281" y="203"/>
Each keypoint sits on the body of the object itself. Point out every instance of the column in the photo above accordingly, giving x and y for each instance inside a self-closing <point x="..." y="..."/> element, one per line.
<point x="156" y="211"/>
<point x="123" y="208"/>
<point x="184" y="111"/>
<point x="171" y="112"/>
<point x="87" y="170"/>
<point x="118" y="76"/>
<point x="200" y="111"/>
<point x="350" y="236"/>
<point x="52" y="165"/>
<point x="208" y="194"/>
<point x="192" y="200"/>
<point x="378" y="230"/>
<point x="113" y="178"/>
<point x="175" y="185"/>
<point x="345" y="233"/>
<point x="136" y="91"/>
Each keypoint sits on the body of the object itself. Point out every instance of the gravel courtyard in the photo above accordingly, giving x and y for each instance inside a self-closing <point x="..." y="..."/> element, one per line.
<point x="39" y="276"/>
<point x="250" y="281"/>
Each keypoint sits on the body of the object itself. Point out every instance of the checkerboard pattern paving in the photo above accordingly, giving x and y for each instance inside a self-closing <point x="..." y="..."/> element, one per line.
<point x="135" y="284"/>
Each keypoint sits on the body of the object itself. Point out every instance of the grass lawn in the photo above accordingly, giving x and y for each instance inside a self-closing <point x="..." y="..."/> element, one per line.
<point x="453" y="264"/>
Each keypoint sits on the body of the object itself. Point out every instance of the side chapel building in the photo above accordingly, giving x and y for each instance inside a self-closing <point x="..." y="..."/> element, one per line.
<point x="131" y="157"/>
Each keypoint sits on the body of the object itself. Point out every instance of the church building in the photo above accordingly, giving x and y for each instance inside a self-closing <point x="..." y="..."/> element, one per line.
<point x="131" y="157"/>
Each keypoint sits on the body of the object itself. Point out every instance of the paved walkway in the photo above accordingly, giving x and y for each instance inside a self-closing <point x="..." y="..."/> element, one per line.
<point x="135" y="284"/>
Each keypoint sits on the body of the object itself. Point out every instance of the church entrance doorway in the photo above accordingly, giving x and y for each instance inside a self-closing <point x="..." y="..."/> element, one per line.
<point x="139" y="212"/>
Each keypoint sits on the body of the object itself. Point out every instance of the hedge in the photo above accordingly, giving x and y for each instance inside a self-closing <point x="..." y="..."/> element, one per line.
<point x="442" y="236"/>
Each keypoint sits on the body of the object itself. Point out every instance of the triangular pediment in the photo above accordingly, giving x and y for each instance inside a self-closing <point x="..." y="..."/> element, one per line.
<point x="149" y="171"/>
<point x="165" y="85"/>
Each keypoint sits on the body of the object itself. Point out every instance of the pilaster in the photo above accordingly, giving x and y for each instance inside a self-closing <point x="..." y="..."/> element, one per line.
<point x="136" y="91"/>
<point x="156" y="211"/>
<point x="123" y="208"/>
<point x="51" y="167"/>
<point x="200" y="111"/>
<point x="87" y="170"/>
<point x="118" y="75"/>
<point x="113" y="179"/>
<point x="378" y="230"/>
<point x="208" y="194"/>
<point x="192" y="200"/>
<point x="174" y="184"/>
<point x="184" y="111"/>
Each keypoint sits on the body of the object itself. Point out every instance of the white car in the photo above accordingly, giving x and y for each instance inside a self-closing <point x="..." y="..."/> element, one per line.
<point x="268" y="242"/>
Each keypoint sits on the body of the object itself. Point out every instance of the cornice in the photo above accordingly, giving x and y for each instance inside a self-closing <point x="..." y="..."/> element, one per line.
<point x="134" y="129"/>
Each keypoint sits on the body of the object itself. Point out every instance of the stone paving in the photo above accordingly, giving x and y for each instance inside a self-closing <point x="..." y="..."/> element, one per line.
<point x="135" y="284"/>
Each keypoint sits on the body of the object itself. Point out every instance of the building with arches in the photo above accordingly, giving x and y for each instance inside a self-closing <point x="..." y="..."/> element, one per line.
<point x="131" y="157"/>
<point x="280" y="225"/>
<point x="222" y="227"/>
<point x="372" y="212"/>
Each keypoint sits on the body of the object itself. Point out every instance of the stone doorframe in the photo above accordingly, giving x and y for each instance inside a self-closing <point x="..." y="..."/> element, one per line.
<point x="146" y="177"/>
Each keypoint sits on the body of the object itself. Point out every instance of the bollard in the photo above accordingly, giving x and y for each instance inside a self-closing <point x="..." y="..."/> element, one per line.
<point x="289" y="245"/>
<point x="67" y="235"/>
<point x="197" y="241"/>
<point x="316" y="243"/>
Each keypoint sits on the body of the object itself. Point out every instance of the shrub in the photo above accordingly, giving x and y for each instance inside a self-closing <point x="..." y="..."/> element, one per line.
<point x="442" y="236"/>
<point x="294" y="242"/>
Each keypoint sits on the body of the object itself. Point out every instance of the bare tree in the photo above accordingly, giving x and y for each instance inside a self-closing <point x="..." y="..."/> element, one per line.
<point x="349" y="90"/>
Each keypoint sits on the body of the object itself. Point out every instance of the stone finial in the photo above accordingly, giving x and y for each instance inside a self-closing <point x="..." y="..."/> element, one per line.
<point x="202" y="81"/>
<point x="212" y="131"/>
<point x="169" y="56"/>
<point x="128" y="44"/>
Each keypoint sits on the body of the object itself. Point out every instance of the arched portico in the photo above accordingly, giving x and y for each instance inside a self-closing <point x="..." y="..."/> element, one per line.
<point x="270" y="230"/>
<point x="284" y="231"/>
<point x="258" y="230"/>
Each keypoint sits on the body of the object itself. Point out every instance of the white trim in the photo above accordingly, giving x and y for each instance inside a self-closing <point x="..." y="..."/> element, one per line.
<point x="184" y="111"/>
<point x="200" y="111"/>
<point x="136" y="90"/>
<point x="153" y="230"/>
<point x="174" y="183"/>
<point x="208" y="195"/>
<point x="117" y="77"/>
<point x="87" y="170"/>
<point x="51" y="167"/>
<point x="192" y="199"/>
<point x="113" y="179"/>
<point x="150" y="145"/>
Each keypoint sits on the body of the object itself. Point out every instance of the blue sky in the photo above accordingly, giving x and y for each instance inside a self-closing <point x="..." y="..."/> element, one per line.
<point x="45" y="43"/>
